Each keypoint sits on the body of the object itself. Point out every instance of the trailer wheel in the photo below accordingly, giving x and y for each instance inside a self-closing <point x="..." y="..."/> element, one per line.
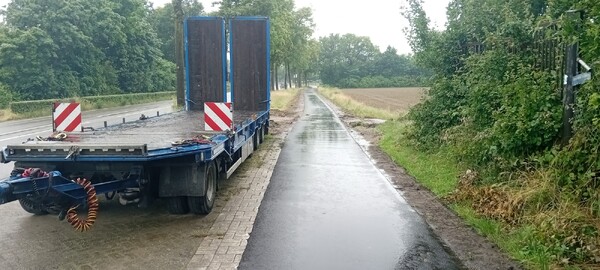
<point x="202" y="205"/>
<point x="32" y="207"/>
<point x="261" y="135"/>
<point x="177" y="205"/>
<point x="255" y="139"/>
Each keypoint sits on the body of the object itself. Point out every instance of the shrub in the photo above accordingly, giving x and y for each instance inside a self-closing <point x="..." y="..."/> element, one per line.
<point x="5" y="97"/>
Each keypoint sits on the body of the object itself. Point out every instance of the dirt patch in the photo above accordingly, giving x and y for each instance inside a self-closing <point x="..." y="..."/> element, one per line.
<point x="392" y="99"/>
<point x="472" y="249"/>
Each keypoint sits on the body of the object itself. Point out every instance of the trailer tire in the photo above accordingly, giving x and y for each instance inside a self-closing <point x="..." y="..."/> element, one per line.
<point x="255" y="139"/>
<point x="261" y="135"/>
<point x="202" y="205"/>
<point x="177" y="205"/>
<point x="32" y="207"/>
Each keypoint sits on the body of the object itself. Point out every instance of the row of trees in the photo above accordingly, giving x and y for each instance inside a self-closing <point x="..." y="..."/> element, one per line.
<point x="293" y="50"/>
<point x="496" y="102"/>
<point x="65" y="48"/>
<point x="351" y="61"/>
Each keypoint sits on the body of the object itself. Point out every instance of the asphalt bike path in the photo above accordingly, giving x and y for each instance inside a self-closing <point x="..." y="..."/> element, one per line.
<point x="328" y="207"/>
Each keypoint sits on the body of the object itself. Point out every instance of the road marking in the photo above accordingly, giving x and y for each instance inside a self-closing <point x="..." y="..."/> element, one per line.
<point x="24" y="135"/>
<point x="20" y="130"/>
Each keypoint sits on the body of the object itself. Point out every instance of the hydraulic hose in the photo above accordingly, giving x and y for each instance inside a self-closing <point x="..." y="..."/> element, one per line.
<point x="83" y="225"/>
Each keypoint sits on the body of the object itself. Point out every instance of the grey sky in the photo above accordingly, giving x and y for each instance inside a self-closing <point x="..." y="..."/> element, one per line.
<point x="378" y="19"/>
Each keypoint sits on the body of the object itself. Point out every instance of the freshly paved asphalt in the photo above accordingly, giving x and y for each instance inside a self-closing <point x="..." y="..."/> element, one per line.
<point x="328" y="207"/>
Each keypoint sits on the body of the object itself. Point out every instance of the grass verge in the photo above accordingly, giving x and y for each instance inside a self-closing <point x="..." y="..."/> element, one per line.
<point x="436" y="171"/>
<point x="282" y="100"/>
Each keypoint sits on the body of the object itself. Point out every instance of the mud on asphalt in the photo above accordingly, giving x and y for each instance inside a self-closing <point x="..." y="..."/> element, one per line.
<point x="472" y="249"/>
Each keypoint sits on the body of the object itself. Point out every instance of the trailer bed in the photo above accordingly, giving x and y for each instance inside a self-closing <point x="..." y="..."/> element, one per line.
<point x="155" y="132"/>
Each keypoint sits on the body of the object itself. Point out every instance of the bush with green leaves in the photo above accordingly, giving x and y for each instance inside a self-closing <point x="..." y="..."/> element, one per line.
<point x="5" y="97"/>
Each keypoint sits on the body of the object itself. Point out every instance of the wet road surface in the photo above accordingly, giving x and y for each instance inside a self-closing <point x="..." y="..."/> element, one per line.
<point x="328" y="207"/>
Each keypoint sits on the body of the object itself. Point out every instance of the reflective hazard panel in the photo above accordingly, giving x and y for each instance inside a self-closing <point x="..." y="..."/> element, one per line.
<point x="66" y="117"/>
<point x="218" y="116"/>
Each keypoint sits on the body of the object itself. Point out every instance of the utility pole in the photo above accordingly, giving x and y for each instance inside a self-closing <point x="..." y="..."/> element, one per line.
<point x="178" y="10"/>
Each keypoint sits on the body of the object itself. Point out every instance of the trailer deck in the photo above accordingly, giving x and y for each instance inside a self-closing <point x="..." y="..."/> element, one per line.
<point x="157" y="132"/>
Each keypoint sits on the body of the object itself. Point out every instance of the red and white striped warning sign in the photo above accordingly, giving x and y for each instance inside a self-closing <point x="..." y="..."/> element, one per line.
<point x="66" y="117"/>
<point x="218" y="116"/>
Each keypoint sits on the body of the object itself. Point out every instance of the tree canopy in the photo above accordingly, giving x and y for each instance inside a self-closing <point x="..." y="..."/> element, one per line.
<point x="352" y="61"/>
<point x="162" y="20"/>
<point x="61" y="48"/>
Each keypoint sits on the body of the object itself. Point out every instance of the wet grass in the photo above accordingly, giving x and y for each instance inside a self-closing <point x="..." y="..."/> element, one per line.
<point x="436" y="171"/>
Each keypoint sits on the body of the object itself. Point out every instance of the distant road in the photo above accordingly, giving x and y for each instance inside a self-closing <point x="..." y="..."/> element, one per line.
<point x="18" y="131"/>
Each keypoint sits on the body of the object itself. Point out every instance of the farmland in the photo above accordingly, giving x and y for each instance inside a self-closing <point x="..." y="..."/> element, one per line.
<point x="391" y="99"/>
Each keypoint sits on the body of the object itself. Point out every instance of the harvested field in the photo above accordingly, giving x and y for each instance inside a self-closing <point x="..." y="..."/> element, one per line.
<point x="392" y="99"/>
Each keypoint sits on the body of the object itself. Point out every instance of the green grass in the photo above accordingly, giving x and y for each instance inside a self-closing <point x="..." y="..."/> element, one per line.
<point x="357" y="108"/>
<point x="436" y="171"/>
<point x="439" y="173"/>
<point x="522" y="243"/>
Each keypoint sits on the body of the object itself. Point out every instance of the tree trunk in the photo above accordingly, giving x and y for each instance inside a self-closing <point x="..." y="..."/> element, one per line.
<point x="180" y="90"/>
<point x="289" y="75"/>
<point x="306" y="78"/>
<point x="285" y="76"/>
<point x="272" y="71"/>
<point x="276" y="77"/>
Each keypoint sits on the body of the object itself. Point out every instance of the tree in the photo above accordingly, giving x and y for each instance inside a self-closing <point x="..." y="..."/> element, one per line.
<point x="163" y="21"/>
<point x="291" y="31"/>
<point x="346" y="58"/>
<point x="61" y="48"/>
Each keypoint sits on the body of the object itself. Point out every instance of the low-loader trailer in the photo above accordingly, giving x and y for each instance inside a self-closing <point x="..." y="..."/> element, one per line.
<point x="179" y="157"/>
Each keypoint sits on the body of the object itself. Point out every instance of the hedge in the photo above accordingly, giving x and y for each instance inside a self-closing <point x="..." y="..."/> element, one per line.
<point x="91" y="102"/>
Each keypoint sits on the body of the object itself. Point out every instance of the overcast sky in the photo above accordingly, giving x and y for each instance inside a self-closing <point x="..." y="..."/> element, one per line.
<point x="378" y="19"/>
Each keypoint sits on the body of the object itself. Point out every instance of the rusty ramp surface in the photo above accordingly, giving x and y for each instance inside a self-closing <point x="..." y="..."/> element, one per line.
<point x="328" y="207"/>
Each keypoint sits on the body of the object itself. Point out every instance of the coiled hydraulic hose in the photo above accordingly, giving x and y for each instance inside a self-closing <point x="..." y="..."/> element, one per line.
<point x="83" y="225"/>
